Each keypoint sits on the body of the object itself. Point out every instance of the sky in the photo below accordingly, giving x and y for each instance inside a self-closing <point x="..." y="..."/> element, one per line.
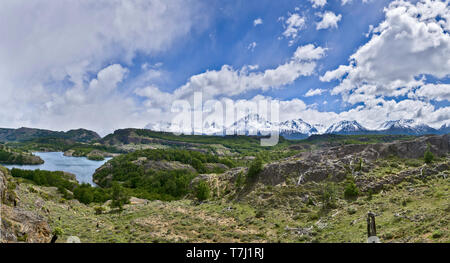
<point x="110" y="64"/>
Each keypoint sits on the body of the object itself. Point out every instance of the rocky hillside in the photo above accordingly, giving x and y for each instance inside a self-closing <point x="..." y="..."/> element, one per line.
<point x="322" y="193"/>
<point x="26" y="134"/>
<point x="19" y="222"/>
<point x="336" y="162"/>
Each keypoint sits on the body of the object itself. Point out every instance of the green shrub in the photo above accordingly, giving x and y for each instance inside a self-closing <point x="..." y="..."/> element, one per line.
<point x="255" y="168"/>
<point x="428" y="156"/>
<point x="203" y="191"/>
<point x="240" y="179"/>
<point x="99" y="210"/>
<point x="351" y="210"/>
<point x="260" y="214"/>
<point x="328" y="195"/>
<point x="57" y="231"/>
<point x="351" y="190"/>
<point x="358" y="165"/>
<point x="84" y="194"/>
<point x="437" y="234"/>
<point x="119" y="196"/>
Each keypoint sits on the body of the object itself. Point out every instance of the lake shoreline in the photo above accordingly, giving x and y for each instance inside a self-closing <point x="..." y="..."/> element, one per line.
<point x="81" y="167"/>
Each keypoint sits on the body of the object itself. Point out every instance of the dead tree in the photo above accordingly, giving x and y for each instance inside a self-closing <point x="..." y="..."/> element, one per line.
<point x="371" y="229"/>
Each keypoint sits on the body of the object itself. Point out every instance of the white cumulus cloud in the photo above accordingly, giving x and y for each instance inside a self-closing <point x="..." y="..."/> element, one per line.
<point x="329" y="20"/>
<point x="257" y="21"/>
<point x="294" y="24"/>
<point x="412" y="42"/>
<point x="318" y="3"/>
<point x="314" y="92"/>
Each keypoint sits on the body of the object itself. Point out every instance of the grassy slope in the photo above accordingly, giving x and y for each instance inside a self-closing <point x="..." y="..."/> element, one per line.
<point x="414" y="211"/>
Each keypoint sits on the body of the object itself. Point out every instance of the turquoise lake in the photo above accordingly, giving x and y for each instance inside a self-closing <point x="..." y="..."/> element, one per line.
<point x="82" y="167"/>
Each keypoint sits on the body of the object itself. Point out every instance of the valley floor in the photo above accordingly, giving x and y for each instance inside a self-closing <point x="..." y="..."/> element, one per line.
<point x="413" y="211"/>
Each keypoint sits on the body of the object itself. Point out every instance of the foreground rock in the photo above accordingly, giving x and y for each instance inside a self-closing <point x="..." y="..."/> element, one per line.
<point x="335" y="163"/>
<point x="17" y="223"/>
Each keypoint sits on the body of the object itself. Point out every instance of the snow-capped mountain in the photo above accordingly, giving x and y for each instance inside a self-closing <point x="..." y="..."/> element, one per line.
<point x="320" y="128"/>
<point x="213" y="128"/>
<point x="409" y="127"/>
<point x="346" y="127"/>
<point x="397" y="124"/>
<point x="296" y="129"/>
<point x="445" y="128"/>
<point x="168" y="127"/>
<point x="252" y="124"/>
<point x="297" y="126"/>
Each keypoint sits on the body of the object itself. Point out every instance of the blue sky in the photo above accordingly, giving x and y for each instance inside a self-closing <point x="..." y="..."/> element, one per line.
<point x="105" y="65"/>
<point x="231" y="31"/>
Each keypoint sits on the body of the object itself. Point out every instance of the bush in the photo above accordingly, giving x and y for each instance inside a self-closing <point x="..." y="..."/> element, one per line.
<point x="260" y="214"/>
<point x="437" y="234"/>
<point x="84" y="194"/>
<point x="99" y="210"/>
<point x="358" y="165"/>
<point x="119" y="196"/>
<point x="240" y="179"/>
<point x="428" y="156"/>
<point x="351" y="190"/>
<point x="255" y="168"/>
<point x="203" y="191"/>
<point x="328" y="195"/>
<point x="57" y="231"/>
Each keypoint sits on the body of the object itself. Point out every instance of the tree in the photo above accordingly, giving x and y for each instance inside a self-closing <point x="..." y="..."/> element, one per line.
<point x="428" y="156"/>
<point x="119" y="196"/>
<point x="84" y="193"/>
<point x="255" y="168"/>
<point x="328" y="195"/>
<point x="351" y="190"/>
<point x="203" y="191"/>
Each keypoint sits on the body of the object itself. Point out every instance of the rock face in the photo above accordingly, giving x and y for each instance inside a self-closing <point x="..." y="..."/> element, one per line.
<point x="376" y="185"/>
<point x="17" y="223"/>
<point x="162" y="165"/>
<point x="334" y="162"/>
<point x="3" y="184"/>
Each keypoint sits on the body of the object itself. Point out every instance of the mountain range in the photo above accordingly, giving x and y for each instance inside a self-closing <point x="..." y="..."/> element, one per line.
<point x="255" y="124"/>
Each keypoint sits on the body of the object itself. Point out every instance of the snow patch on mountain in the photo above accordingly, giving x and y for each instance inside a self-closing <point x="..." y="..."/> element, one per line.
<point x="297" y="126"/>
<point x="346" y="127"/>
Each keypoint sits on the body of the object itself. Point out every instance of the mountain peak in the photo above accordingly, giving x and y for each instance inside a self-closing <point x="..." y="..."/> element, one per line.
<point x="346" y="127"/>
<point x="401" y="123"/>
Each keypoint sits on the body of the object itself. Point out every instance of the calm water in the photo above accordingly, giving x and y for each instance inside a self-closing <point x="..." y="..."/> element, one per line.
<point x="56" y="161"/>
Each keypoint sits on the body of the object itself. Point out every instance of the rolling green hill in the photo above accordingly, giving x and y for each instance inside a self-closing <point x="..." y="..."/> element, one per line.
<point x="26" y="134"/>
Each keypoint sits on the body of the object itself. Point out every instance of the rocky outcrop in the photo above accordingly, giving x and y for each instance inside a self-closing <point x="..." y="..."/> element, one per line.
<point x="377" y="184"/>
<point x="162" y="165"/>
<point x="335" y="163"/>
<point x="125" y="137"/>
<point x="18" y="224"/>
